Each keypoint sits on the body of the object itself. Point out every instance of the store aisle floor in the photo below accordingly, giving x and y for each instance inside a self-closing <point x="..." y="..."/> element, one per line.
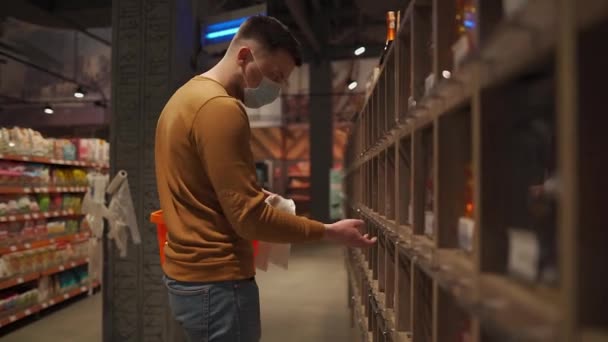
<point x="309" y="302"/>
<point x="304" y="304"/>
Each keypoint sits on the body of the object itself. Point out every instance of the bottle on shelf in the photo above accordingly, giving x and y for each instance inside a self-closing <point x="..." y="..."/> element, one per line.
<point x="466" y="223"/>
<point x="429" y="199"/>
<point x="391" y="26"/>
<point x="534" y="187"/>
<point x="466" y="22"/>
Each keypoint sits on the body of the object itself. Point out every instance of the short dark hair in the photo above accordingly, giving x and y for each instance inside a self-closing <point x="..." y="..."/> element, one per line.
<point x="271" y="34"/>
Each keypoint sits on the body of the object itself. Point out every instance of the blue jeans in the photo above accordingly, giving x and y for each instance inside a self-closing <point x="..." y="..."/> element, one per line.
<point x="216" y="312"/>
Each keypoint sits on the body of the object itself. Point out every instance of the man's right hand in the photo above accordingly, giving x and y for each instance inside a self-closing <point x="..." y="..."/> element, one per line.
<point x="348" y="232"/>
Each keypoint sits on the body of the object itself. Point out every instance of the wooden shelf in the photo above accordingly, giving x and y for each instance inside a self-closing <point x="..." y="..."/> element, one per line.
<point x="50" y="161"/>
<point x="459" y="144"/>
<point x="39" y="215"/>
<point x="24" y="313"/>
<point x="25" y="278"/>
<point x="16" y="190"/>
<point x="73" y="238"/>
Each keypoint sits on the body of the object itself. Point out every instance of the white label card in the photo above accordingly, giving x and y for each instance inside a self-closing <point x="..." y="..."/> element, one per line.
<point x="429" y="223"/>
<point x="524" y="254"/>
<point x="466" y="231"/>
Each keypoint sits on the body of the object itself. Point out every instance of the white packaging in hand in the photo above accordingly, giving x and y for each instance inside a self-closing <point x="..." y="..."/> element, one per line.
<point x="275" y="253"/>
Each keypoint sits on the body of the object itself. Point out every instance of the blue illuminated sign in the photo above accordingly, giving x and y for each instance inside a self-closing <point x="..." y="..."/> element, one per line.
<point x="222" y="31"/>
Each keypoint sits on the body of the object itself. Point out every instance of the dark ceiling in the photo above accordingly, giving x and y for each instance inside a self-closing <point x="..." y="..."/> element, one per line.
<point x="347" y="23"/>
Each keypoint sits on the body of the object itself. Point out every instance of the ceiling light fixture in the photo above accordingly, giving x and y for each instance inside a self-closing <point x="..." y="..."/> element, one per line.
<point x="359" y="51"/>
<point x="79" y="93"/>
<point x="446" y="74"/>
<point x="352" y="84"/>
<point x="48" y="109"/>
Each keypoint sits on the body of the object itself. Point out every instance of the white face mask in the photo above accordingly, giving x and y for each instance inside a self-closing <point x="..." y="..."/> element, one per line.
<point x="264" y="94"/>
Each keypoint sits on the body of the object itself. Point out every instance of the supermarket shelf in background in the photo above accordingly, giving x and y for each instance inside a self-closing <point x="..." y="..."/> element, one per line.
<point x="300" y="198"/>
<point x="24" y="278"/>
<point x="298" y="187"/>
<point x="50" y="161"/>
<point x="21" y="314"/>
<point x="10" y="190"/>
<point x="39" y="215"/>
<point x="298" y="175"/>
<point x="74" y="238"/>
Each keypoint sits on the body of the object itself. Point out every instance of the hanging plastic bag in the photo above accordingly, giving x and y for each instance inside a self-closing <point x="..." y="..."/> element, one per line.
<point x="275" y="253"/>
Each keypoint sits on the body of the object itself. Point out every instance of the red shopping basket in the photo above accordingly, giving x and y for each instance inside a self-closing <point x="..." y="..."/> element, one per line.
<point x="161" y="234"/>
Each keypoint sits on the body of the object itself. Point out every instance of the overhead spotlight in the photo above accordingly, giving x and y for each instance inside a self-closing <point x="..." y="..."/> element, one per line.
<point x="359" y="51"/>
<point x="352" y="84"/>
<point x="446" y="74"/>
<point x="79" y="93"/>
<point x="48" y="109"/>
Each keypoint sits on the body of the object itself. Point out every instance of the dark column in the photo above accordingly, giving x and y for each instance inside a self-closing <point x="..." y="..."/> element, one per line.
<point x="321" y="138"/>
<point x="152" y="45"/>
<point x="321" y="125"/>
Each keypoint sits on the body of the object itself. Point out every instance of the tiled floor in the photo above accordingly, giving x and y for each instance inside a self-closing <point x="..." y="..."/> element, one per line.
<point x="304" y="304"/>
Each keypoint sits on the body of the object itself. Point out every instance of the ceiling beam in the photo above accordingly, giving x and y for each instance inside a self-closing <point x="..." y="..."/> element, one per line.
<point x="23" y="9"/>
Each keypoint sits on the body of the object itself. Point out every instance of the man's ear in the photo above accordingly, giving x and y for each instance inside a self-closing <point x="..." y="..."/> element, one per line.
<point x="243" y="55"/>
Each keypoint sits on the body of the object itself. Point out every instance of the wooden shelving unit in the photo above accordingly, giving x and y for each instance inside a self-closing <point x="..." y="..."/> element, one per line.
<point x="474" y="245"/>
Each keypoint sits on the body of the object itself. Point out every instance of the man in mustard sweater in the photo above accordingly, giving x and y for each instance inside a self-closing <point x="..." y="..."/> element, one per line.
<point x="211" y="203"/>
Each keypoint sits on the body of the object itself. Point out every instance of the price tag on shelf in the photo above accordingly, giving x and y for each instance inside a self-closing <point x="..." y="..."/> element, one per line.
<point x="20" y="280"/>
<point x="62" y="268"/>
<point x="466" y="228"/>
<point x="52" y="240"/>
<point x="52" y="302"/>
<point x="27" y="216"/>
<point x="12" y="218"/>
<point x="35" y="216"/>
<point x="28" y="245"/>
<point x="429" y="223"/>
<point x="27" y="190"/>
<point x="73" y="264"/>
<point x="45" y="189"/>
<point x="13" y="248"/>
<point x="64" y="213"/>
<point x="24" y="158"/>
<point x="37" y="190"/>
<point x="524" y="254"/>
<point x="27" y="312"/>
<point x="66" y="296"/>
<point x="45" y="305"/>
<point x="12" y="318"/>
<point x="2" y="219"/>
<point x="83" y="289"/>
<point x="47" y="215"/>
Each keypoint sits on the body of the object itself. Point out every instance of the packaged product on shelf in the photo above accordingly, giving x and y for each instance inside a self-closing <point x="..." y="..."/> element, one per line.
<point x="466" y="224"/>
<point x="466" y="21"/>
<point x="44" y="202"/>
<point x="40" y="228"/>
<point x="29" y="230"/>
<point x="11" y="173"/>
<point x="79" y="177"/>
<point x="44" y="288"/>
<point x="56" y="202"/>
<point x="55" y="228"/>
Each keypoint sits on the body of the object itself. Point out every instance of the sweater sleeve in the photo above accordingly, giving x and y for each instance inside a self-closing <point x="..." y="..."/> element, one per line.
<point x="221" y="135"/>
